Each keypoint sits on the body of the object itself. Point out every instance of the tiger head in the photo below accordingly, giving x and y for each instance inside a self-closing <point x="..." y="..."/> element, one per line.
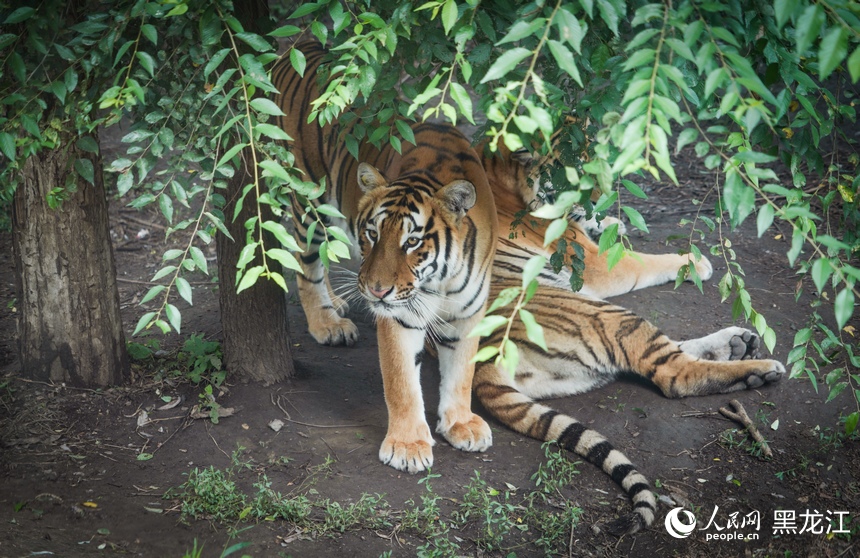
<point x="407" y="232"/>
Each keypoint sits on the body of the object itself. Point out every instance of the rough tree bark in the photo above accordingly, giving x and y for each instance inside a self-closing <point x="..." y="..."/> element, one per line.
<point x="69" y="327"/>
<point x="256" y="331"/>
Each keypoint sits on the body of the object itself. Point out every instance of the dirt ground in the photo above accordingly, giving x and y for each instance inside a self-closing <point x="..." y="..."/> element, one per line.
<point x="73" y="485"/>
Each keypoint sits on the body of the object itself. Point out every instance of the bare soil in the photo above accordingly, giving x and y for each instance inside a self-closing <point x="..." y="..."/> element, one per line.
<point x="73" y="486"/>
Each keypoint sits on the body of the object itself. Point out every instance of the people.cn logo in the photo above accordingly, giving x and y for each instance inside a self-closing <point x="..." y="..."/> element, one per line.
<point x="678" y="528"/>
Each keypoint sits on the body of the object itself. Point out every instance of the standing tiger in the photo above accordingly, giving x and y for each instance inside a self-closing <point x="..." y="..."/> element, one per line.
<point x="591" y="341"/>
<point x="427" y="236"/>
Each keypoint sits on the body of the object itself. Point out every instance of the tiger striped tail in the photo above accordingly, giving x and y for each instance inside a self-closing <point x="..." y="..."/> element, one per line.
<point x="521" y="413"/>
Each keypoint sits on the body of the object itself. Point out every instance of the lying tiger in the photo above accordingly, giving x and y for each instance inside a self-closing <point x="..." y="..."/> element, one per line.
<point x="427" y="236"/>
<point x="591" y="342"/>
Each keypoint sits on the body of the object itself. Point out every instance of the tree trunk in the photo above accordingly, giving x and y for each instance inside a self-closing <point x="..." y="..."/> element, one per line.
<point x="256" y="330"/>
<point x="69" y="328"/>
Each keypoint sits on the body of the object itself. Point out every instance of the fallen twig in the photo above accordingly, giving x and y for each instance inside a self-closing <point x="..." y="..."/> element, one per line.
<point x="740" y="416"/>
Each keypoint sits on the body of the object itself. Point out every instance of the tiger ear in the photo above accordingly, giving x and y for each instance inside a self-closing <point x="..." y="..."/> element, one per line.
<point x="523" y="157"/>
<point x="458" y="196"/>
<point x="369" y="178"/>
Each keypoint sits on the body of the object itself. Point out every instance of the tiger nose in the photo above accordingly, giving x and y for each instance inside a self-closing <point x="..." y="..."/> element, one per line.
<point x="380" y="292"/>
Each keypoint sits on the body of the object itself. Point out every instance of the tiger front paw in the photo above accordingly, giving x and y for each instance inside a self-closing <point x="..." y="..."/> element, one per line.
<point x="473" y="434"/>
<point x="331" y="329"/>
<point x="412" y="456"/>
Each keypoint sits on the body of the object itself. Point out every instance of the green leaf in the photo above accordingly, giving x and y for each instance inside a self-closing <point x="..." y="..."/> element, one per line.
<point x="808" y="26"/>
<point x="148" y="30"/>
<point x="250" y="278"/>
<point x="298" y="61"/>
<point x="7" y="145"/>
<point x="274" y="132"/>
<point x="844" y="307"/>
<point x="285" y="31"/>
<point x="281" y="235"/>
<point x="506" y="296"/>
<point x="635" y="217"/>
<point x="184" y="288"/>
<point x="152" y="293"/>
<point x="305" y="9"/>
<point x="464" y="102"/>
<point x="330" y="211"/>
<point x="488" y="325"/>
<point x="449" y="15"/>
<point x="215" y="61"/>
<point x="146" y="62"/>
<point x="564" y="59"/>
<point x="554" y="231"/>
<point x="851" y="422"/>
<point x="273" y="168"/>
<point x="532" y="269"/>
<point x="609" y="14"/>
<point x="84" y="168"/>
<point x="832" y="50"/>
<point x="285" y="258"/>
<point x="485" y="353"/>
<point x="165" y="203"/>
<point x="19" y="15"/>
<point x="247" y="255"/>
<point x="738" y="198"/>
<point x="87" y="143"/>
<point x="255" y="41"/>
<point x="783" y="10"/>
<point x="522" y="29"/>
<point x="534" y="330"/>
<point x="751" y="156"/>
<point x="199" y="259"/>
<point x="230" y="154"/>
<point x="570" y="30"/>
<point x="764" y="219"/>
<point x="143" y="322"/>
<point x="266" y="107"/>
<point x="163" y="272"/>
<point x="405" y="131"/>
<point x="174" y="317"/>
<point x="821" y="270"/>
<point x="607" y="238"/>
<point x="505" y="63"/>
<point x="854" y="66"/>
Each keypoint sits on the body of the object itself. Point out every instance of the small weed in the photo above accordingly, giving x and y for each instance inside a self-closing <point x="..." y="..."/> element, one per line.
<point x="733" y="438"/>
<point x="557" y="472"/>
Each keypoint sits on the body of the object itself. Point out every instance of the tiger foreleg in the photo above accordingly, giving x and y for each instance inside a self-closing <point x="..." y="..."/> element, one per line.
<point x="408" y="443"/>
<point x="323" y="309"/>
<point x="457" y="423"/>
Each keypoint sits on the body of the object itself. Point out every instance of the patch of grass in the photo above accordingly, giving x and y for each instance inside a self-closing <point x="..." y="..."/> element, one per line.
<point x="734" y="438"/>
<point x="495" y="520"/>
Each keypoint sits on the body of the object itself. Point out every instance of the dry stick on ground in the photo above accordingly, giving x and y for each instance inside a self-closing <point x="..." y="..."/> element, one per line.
<point x="740" y="415"/>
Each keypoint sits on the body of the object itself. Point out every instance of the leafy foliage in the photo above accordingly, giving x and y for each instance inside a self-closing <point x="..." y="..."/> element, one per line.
<point x="609" y="90"/>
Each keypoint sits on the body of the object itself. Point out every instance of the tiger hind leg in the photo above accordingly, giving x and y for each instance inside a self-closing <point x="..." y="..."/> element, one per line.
<point x="679" y="373"/>
<point x="731" y="343"/>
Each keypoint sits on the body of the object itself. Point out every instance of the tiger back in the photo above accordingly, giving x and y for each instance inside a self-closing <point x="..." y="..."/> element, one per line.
<point x="425" y="224"/>
<point x="590" y="342"/>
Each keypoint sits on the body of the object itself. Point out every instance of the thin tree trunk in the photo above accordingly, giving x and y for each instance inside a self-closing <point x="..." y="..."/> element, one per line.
<point x="256" y="330"/>
<point x="69" y="327"/>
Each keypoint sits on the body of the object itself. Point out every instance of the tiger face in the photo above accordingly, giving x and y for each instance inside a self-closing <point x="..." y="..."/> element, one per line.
<point x="404" y="231"/>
